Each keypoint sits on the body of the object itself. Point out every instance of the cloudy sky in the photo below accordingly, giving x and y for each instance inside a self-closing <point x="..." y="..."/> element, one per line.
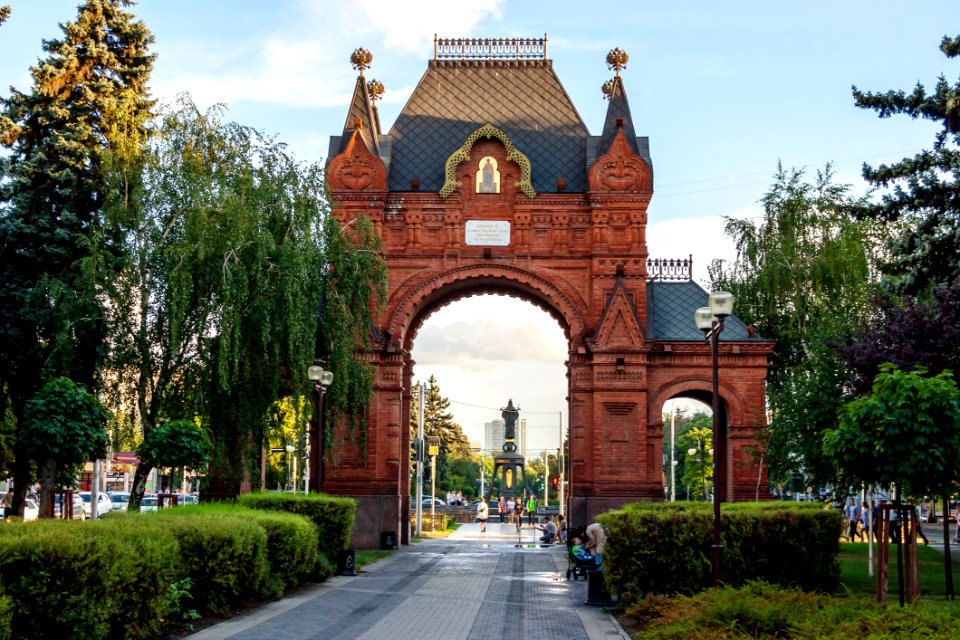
<point x="723" y="91"/>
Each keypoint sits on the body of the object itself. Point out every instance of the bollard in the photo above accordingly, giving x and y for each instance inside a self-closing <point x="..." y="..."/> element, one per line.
<point x="346" y="563"/>
<point x="388" y="540"/>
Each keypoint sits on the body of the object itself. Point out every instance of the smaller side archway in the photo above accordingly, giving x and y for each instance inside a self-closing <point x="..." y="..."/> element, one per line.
<point x="730" y="443"/>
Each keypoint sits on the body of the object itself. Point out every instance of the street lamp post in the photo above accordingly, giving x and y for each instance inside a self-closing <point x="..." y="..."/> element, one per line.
<point x="321" y="380"/>
<point x="710" y="320"/>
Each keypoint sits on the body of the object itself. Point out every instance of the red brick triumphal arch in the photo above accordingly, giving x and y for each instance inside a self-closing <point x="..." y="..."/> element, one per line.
<point x="490" y="182"/>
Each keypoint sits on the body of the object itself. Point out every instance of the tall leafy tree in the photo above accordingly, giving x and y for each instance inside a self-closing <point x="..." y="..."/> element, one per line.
<point x="907" y="332"/>
<point x="57" y="246"/>
<point x="923" y="191"/>
<point x="905" y="432"/>
<point x="217" y="312"/>
<point x="63" y="427"/>
<point x="438" y="421"/>
<point x="802" y="276"/>
<point x="697" y="472"/>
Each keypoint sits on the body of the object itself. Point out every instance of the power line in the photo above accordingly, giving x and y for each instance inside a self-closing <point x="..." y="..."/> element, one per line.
<point x="480" y="406"/>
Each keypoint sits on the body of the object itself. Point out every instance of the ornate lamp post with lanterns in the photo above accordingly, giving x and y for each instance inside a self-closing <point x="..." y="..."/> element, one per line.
<point x="710" y="320"/>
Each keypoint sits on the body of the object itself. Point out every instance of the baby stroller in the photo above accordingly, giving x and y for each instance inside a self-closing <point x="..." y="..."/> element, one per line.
<point x="577" y="566"/>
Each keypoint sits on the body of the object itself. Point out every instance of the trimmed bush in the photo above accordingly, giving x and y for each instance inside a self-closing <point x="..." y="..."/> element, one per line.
<point x="131" y="574"/>
<point x="333" y="516"/>
<point x="86" y="580"/>
<point x="759" y="610"/>
<point x="291" y="542"/>
<point x="223" y="554"/>
<point x="6" y="615"/>
<point x="666" y="548"/>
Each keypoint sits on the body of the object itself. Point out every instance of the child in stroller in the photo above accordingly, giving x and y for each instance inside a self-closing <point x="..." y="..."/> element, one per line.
<point x="578" y="560"/>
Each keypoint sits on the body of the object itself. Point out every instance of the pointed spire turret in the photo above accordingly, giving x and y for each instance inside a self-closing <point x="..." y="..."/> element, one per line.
<point x="618" y="111"/>
<point x="362" y="114"/>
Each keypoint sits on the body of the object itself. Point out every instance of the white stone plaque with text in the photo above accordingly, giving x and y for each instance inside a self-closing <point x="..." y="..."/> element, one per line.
<point x="488" y="233"/>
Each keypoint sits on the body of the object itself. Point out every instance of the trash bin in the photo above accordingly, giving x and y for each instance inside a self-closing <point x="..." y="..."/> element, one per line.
<point x="597" y="590"/>
<point x="388" y="540"/>
<point x="346" y="563"/>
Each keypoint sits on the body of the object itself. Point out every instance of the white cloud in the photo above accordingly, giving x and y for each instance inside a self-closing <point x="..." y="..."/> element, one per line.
<point x="701" y="236"/>
<point x="292" y="66"/>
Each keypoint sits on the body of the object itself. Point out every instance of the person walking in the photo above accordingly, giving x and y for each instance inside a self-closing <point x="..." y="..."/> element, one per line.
<point x="483" y="512"/>
<point x="852" y="514"/>
<point x="868" y="519"/>
<point x="518" y="513"/>
<point x="531" y="509"/>
<point x="502" y="508"/>
<point x="511" y="507"/>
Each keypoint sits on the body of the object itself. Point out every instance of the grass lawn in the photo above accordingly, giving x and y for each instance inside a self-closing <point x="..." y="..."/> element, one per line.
<point x="367" y="556"/>
<point x="855" y="579"/>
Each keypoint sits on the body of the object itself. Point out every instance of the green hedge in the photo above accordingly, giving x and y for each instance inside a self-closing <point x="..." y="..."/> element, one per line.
<point x="333" y="516"/>
<point x="86" y="580"/>
<point x="666" y="548"/>
<point x="291" y="543"/>
<point x="128" y="575"/>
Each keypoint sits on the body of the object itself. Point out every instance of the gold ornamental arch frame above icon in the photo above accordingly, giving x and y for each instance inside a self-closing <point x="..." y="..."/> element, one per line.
<point x="463" y="153"/>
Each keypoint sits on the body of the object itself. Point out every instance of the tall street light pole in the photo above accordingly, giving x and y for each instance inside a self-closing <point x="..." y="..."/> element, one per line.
<point x="321" y="380"/>
<point x="710" y="320"/>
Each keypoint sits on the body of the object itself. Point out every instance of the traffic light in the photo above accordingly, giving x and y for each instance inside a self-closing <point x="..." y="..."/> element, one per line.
<point x="555" y="481"/>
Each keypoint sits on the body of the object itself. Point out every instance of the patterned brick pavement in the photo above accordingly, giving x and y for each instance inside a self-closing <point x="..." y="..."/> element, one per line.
<point x="471" y="586"/>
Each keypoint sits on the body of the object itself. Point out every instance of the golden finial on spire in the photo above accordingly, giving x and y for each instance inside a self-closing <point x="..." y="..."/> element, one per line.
<point x="361" y="59"/>
<point x="617" y="59"/>
<point x="607" y="89"/>
<point x="375" y="89"/>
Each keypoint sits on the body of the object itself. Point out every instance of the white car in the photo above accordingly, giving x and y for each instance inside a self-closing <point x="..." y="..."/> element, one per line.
<point x="104" y="505"/>
<point x="119" y="500"/>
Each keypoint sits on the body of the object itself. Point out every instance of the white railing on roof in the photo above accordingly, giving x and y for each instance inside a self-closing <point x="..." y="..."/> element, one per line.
<point x="490" y="48"/>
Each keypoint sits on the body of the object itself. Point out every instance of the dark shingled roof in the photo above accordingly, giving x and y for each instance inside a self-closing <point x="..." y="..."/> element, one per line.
<point x="618" y="109"/>
<point x="670" y="309"/>
<point x="524" y="98"/>
<point x="362" y="109"/>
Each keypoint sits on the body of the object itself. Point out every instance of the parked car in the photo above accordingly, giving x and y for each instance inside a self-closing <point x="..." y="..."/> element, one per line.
<point x="148" y="503"/>
<point x="119" y="500"/>
<point x="104" y="504"/>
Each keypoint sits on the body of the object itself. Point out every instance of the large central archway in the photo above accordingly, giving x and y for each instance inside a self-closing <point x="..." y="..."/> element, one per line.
<point x="489" y="182"/>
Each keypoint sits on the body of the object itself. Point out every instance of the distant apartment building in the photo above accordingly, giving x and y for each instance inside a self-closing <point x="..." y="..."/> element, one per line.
<point x="493" y="436"/>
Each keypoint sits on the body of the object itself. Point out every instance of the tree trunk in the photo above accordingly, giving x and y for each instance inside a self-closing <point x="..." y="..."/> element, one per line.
<point x="139" y="485"/>
<point x="947" y="560"/>
<point x="48" y="480"/>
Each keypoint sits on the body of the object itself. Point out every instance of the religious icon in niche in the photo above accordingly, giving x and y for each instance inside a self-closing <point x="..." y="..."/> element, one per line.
<point x="488" y="177"/>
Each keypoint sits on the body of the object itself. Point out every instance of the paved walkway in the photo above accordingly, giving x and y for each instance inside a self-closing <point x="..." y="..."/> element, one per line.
<point x="469" y="586"/>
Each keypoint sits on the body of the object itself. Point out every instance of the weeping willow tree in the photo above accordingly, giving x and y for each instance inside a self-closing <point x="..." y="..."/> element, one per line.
<point x="802" y="277"/>
<point x="216" y="314"/>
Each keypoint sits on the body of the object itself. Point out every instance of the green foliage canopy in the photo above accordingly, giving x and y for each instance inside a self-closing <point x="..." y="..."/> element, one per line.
<point x="802" y="277"/>
<point x="178" y="443"/>
<point x="64" y="423"/>
<point x="906" y="431"/>
<point x="924" y="191"/>
<point x="88" y="100"/>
